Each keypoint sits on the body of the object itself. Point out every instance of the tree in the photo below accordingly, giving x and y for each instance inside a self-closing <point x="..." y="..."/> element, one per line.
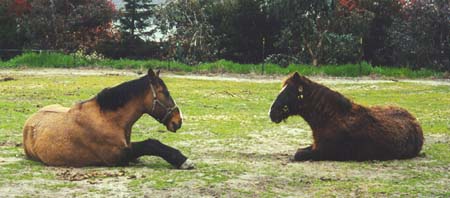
<point x="375" y="46"/>
<point x="343" y="44"/>
<point x="245" y="29"/>
<point x="10" y="34"/>
<point x="68" y="25"/>
<point x="312" y="28"/>
<point x="421" y="37"/>
<point x="189" y="33"/>
<point x="135" y="18"/>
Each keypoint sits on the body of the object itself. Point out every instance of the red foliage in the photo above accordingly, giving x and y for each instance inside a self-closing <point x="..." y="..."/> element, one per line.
<point x="19" y="7"/>
<point x="111" y="4"/>
<point x="352" y="4"/>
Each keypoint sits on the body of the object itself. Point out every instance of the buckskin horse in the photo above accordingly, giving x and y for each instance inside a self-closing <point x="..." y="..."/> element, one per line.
<point x="343" y="130"/>
<point x="97" y="132"/>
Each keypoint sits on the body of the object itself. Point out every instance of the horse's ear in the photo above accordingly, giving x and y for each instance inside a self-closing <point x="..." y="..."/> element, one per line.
<point x="151" y="73"/>
<point x="296" y="76"/>
<point x="157" y="72"/>
<point x="300" y="79"/>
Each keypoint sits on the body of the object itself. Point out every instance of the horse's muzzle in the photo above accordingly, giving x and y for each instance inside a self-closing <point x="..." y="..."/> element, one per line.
<point x="173" y="126"/>
<point x="175" y="122"/>
<point x="276" y="119"/>
<point x="276" y="115"/>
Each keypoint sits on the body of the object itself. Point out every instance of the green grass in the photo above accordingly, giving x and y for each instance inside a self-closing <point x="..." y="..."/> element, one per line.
<point x="238" y="151"/>
<point x="58" y="60"/>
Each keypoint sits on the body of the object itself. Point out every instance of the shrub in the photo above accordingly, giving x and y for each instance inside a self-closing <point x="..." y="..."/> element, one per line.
<point x="421" y="38"/>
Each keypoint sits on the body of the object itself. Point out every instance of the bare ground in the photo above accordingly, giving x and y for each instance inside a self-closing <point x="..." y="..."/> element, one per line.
<point x="6" y="73"/>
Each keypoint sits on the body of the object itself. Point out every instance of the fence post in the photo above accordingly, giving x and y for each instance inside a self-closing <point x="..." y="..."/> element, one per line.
<point x="168" y="63"/>
<point x="262" y="68"/>
<point x="361" y="55"/>
<point x="263" y="53"/>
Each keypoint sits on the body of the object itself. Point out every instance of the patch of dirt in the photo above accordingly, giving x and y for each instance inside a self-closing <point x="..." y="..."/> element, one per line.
<point x="10" y="143"/>
<point x="108" y="187"/>
<point x="222" y="77"/>
<point x="9" y="160"/>
<point x="82" y="174"/>
<point x="256" y="182"/>
<point x="437" y="138"/>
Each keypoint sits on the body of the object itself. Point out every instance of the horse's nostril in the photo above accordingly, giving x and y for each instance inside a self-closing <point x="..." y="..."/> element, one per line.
<point x="176" y="125"/>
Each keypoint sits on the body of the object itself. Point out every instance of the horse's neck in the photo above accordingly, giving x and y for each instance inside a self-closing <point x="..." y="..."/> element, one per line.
<point x="125" y="117"/>
<point x="320" y="106"/>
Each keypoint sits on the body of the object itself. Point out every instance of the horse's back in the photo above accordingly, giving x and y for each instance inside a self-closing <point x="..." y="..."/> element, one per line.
<point x="398" y="129"/>
<point x="55" y="108"/>
<point x="376" y="133"/>
<point x="395" y="118"/>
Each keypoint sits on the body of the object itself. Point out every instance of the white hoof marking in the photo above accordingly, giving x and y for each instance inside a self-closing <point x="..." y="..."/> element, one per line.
<point x="188" y="164"/>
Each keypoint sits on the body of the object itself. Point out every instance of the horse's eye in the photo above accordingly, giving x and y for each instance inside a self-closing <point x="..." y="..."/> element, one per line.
<point x="285" y="108"/>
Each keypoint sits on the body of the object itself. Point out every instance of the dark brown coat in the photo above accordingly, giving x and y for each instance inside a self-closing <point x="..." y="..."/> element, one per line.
<point x="343" y="130"/>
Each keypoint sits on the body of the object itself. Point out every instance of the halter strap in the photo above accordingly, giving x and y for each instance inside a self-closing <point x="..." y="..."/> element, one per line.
<point x="169" y="110"/>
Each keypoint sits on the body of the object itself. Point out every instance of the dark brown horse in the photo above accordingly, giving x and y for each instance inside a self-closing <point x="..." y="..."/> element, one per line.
<point x="97" y="132"/>
<point x="343" y="130"/>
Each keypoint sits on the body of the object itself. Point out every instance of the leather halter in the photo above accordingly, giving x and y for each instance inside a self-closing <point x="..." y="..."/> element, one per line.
<point x="169" y="110"/>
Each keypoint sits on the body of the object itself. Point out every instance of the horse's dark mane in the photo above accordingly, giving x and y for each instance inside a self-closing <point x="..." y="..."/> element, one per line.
<point x="329" y="100"/>
<point x="323" y="103"/>
<point x="113" y="98"/>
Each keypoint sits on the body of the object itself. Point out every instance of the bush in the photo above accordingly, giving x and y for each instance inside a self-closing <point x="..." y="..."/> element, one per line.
<point x="130" y="48"/>
<point x="46" y="60"/>
<point x="341" y="49"/>
<point x="281" y="60"/>
<point x="421" y="38"/>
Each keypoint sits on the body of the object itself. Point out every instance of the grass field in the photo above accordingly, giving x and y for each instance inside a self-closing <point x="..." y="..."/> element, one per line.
<point x="227" y="132"/>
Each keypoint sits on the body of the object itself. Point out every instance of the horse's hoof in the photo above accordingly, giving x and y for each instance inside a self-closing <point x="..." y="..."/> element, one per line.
<point x="296" y="158"/>
<point x="292" y="159"/>
<point x="188" y="164"/>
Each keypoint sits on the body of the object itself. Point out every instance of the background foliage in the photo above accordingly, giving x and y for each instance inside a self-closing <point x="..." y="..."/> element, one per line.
<point x="414" y="34"/>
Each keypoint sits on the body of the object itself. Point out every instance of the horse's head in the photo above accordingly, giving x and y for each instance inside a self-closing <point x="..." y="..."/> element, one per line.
<point x="290" y="99"/>
<point x="160" y="105"/>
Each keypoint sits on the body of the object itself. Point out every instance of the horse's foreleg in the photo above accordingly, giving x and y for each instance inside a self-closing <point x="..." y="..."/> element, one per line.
<point x="156" y="148"/>
<point x="304" y="154"/>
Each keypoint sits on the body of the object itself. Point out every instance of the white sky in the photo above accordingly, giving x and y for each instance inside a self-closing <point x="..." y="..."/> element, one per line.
<point x="119" y="3"/>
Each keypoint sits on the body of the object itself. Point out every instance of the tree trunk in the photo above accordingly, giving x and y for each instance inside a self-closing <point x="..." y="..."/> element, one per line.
<point x="315" y="61"/>
<point x="314" y="56"/>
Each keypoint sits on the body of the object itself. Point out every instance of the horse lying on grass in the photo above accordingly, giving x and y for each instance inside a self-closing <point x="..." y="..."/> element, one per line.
<point x="343" y="130"/>
<point x="97" y="132"/>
